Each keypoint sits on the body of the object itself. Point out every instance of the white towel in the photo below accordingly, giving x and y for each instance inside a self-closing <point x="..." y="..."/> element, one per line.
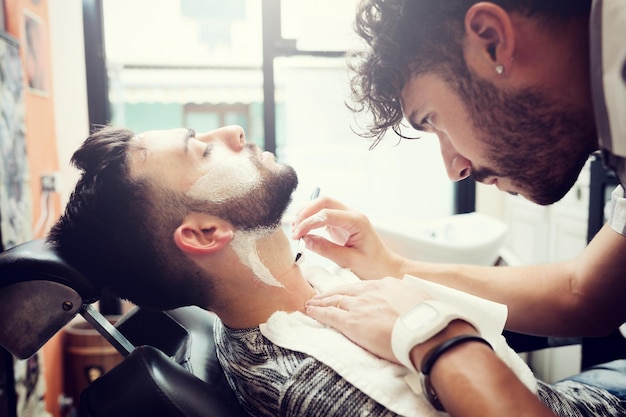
<point x="488" y="316"/>
<point x="382" y="380"/>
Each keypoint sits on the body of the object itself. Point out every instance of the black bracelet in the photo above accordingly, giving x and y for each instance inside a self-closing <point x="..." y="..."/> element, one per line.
<point x="431" y="357"/>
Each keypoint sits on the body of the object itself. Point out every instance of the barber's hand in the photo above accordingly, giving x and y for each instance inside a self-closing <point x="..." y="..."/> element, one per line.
<point x="365" y="312"/>
<point x="356" y="244"/>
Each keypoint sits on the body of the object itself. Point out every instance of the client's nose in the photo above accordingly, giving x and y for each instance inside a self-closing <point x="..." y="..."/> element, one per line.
<point x="233" y="136"/>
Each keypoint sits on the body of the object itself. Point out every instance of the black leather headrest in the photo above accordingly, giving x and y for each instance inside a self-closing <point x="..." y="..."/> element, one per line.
<point x="39" y="293"/>
<point x="37" y="260"/>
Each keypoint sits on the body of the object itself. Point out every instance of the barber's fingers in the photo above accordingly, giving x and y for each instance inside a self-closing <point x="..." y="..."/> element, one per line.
<point x="317" y="204"/>
<point x="338" y="301"/>
<point x="343" y="256"/>
<point x="354" y="242"/>
<point x="338" y="319"/>
<point x="357" y="327"/>
<point x="366" y="311"/>
<point x="389" y="295"/>
<point x="374" y="337"/>
<point x="334" y="221"/>
<point x="340" y="221"/>
<point x="353" y="289"/>
<point x="367" y="326"/>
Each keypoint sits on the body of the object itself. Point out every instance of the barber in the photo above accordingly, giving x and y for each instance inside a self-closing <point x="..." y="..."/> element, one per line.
<point x="519" y="96"/>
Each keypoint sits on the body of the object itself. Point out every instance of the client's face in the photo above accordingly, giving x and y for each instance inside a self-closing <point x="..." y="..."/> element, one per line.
<point x="238" y="182"/>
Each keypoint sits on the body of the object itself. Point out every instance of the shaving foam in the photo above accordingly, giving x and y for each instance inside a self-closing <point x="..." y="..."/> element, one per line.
<point x="244" y="246"/>
<point x="228" y="179"/>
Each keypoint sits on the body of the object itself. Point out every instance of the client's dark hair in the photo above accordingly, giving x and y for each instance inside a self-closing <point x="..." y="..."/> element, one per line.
<point x="118" y="230"/>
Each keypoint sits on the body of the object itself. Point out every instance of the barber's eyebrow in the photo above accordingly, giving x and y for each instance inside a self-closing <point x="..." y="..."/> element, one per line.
<point x="412" y="119"/>
<point x="190" y="133"/>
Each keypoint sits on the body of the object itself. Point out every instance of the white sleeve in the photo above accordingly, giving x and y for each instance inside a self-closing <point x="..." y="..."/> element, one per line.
<point x="617" y="211"/>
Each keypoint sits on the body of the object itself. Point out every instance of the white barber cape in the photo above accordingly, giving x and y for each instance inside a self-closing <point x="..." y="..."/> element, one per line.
<point x="384" y="381"/>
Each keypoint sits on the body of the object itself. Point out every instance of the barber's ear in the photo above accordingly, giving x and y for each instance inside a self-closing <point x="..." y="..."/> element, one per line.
<point x="490" y="37"/>
<point x="203" y="235"/>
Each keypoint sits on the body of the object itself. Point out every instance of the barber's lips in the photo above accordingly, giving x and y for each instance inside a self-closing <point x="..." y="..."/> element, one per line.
<point x="502" y="188"/>
<point x="499" y="186"/>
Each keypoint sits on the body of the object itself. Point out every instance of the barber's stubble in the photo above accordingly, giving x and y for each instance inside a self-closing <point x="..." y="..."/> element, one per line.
<point x="537" y="142"/>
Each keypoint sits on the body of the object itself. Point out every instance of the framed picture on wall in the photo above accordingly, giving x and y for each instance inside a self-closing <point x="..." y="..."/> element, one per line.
<point x="3" y="22"/>
<point x="15" y="197"/>
<point x="35" y="45"/>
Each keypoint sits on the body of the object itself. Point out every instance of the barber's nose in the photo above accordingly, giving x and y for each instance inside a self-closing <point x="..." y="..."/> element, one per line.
<point x="457" y="166"/>
<point x="233" y="136"/>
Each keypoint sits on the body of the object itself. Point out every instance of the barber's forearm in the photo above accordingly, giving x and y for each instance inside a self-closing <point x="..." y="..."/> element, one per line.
<point x="471" y="381"/>
<point x="523" y="289"/>
<point x="579" y="297"/>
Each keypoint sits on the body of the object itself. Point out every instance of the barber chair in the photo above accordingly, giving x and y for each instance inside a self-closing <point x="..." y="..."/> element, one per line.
<point x="169" y="365"/>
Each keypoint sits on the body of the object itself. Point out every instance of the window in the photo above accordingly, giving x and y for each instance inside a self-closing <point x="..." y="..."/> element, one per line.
<point x="198" y="63"/>
<point x="192" y="63"/>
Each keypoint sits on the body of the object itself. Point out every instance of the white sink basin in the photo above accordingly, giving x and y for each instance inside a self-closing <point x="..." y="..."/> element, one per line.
<point x="471" y="238"/>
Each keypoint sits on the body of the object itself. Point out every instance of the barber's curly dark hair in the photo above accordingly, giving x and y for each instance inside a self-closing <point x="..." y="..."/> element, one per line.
<point x="411" y="37"/>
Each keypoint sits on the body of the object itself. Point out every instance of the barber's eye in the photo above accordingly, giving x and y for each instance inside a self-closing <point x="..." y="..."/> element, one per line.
<point x="426" y="122"/>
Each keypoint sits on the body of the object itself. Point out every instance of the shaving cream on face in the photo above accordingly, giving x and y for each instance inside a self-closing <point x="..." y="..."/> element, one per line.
<point x="244" y="246"/>
<point x="228" y="179"/>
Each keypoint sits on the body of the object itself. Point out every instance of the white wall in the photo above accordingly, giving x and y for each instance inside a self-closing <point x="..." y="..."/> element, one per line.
<point x="69" y="85"/>
<point x="490" y="201"/>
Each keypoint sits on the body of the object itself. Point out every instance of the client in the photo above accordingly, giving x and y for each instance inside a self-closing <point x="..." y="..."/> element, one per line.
<point x="173" y="218"/>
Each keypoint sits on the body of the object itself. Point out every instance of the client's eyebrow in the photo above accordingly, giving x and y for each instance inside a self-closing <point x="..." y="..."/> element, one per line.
<point x="190" y="133"/>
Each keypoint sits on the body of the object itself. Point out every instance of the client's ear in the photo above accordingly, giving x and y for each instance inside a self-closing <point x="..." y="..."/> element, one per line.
<point x="203" y="234"/>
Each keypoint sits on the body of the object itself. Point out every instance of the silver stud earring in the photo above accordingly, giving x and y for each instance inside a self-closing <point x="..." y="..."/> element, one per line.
<point x="500" y="69"/>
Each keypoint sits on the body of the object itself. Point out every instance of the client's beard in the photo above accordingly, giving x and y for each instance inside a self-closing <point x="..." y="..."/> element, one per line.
<point x="262" y="207"/>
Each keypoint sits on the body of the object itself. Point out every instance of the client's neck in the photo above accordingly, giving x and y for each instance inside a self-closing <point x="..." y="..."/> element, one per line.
<point x="267" y="280"/>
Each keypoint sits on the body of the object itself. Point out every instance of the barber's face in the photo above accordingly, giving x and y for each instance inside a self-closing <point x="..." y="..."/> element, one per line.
<point x="520" y="141"/>
<point x="233" y="179"/>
